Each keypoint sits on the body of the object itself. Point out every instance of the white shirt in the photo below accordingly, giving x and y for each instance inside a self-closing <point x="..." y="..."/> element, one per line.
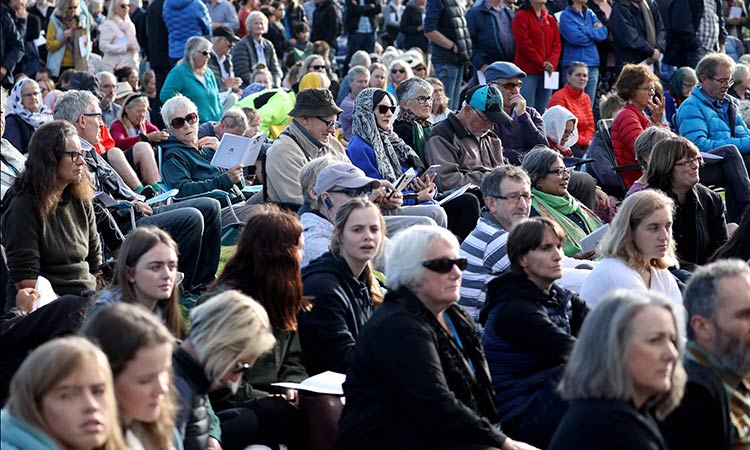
<point x="612" y="273"/>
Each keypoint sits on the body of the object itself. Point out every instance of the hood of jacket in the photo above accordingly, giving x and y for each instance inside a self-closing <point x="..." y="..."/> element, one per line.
<point x="18" y="434"/>
<point x="331" y="264"/>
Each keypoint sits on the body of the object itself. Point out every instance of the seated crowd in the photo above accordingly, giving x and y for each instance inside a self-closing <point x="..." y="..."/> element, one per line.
<point x="434" y="246"/>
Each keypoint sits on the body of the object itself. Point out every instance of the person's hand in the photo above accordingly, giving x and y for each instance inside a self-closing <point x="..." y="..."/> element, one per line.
<point x="420" y="28"/>
<point x="585" y="255"/>
<point x="655" y="56"/>
<point x="392" y="201"/>
<point x="26" y="297"/>
<point x="232" y="82"/>
<point x="510" y="444"/>
<point x="292" y="396"/>
<point x="3" y="72"/>
<point x="157" y="136"/>
<point x="733" y="21"/>
<point x="731" y="228"/>
<point x="377" y="194"/>
<point x="213" y="444"/>
<point x="208" y="142"/>
<point x="145" y="209"/>
<point x="656" y="106"/>
<point x="235" y="173"/>
<point x="131" y="48"/>
<point x="598" y="25"/>
<point x="518" y="103"/>
<point x="548" y="67"/>
<point x="67" y="34"/>
<point x="601" y="199"/>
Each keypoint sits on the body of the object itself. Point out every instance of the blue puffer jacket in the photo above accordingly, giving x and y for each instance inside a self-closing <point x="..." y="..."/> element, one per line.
<point x="701" y="120"/>
<point x="580" y="37"/>
<point x="19" y="435"/>
<point x="527" y="338"/>
<point x="185" y="19"/>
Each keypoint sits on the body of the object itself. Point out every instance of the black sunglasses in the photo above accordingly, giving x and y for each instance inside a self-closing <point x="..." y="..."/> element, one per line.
<point x="445" y="265"/>
<point x="123" y="6"/>
<point x="355" y="192"/>
<point x="318" y="67"/>
<point x="204" y="52"/>
<point x="398" y="71"/>
<point x="383" y="109"/>
<point x="179" y="122"/>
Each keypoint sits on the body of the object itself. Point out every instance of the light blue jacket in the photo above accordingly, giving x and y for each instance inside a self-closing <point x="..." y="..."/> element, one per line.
<point x="580" y="37"/>
<point x="182" y="80"/>
<point x="185" y="19"/>
<point x="18" y="435"/>
<point x="702" y="120"/>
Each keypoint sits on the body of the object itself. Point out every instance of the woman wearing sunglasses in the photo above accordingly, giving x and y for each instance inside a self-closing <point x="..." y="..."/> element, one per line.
<point x="530" y="327"/>
<point x="48" y="227"/>
<point x="191" y="78"/>
<point x="398" y="71"/>
<point x="342" y="287"/>
<point x="418" y="377"/>
<point x="549" y="184"/>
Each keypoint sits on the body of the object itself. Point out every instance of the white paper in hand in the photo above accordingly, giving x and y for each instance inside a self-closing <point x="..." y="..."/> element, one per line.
<point x="322" y="383"/>
<point x="44" y="287"/>
<point x="235" y="150"/>
<point x="551" y="80"/>
<point x="589" y="242"/>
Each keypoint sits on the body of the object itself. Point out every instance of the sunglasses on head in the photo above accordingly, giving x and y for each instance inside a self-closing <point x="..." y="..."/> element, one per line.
<point x="395" y="70"/>
<point x="383" y="109"/>
<point x="179" y="122"/>
<point x="445" y="265"/>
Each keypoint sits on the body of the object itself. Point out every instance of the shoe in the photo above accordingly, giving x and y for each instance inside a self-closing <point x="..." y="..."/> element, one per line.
<point x="148" y="192"/>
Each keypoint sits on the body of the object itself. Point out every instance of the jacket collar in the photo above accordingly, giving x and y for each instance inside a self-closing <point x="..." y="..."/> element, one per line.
<point x="192" y="370"/>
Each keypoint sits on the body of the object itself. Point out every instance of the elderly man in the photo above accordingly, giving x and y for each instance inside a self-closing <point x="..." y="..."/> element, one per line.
<point x="107" y="90"/>
<point x="359" y="78"/>
<point x="194" y="224"/>
<point x="220" y="62"/>
<point x="234" y="121"/>
<point x="507" y="200"/>
<point x="716" y="405"/>
<point x="464" y="145"/>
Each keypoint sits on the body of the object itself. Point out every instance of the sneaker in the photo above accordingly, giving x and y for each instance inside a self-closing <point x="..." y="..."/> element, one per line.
<point x="148" y="192"/>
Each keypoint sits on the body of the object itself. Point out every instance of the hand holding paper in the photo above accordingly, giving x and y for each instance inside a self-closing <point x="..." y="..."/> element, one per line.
<point x="234" y="150"/>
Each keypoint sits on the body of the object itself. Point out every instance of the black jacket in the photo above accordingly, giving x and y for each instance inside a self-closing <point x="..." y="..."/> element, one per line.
<point x="11" y="43"/>
<point x="354" y="11"/>
<point x="684" y="47"/>
<point x="156" y="30"/>
<point x="629" y="32"/>
<point x="192" y="388"/>
<point x="704" y="410"/>
<point x="605" y="424"/>
<point x="411" y="19"/>
<point x="326" y="23"/>
<point x="408" y="386"/>
<point x="452" y="24"/>
<point x="341" y="306"/>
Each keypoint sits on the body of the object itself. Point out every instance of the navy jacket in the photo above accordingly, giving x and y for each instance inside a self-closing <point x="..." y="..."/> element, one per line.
<point x="485" y="36"/>
<point x="411" y="19"/>
<point x="18" y="132"/>
<point x="354" y="11"/>
<point x="684" y="47"/>
<point x="629" y="32"/>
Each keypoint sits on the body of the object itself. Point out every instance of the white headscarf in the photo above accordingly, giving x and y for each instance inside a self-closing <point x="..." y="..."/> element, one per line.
<point x="555" y="119"/>
<point x="35" y="119"/>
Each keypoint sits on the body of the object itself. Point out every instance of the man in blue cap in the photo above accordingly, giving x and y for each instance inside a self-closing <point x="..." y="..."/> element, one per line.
<point x="464" y="144"/>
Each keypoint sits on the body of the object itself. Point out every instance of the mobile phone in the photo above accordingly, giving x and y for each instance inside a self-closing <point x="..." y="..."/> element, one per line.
<point x="410" y="195"/>
<point x="432" y="169"/>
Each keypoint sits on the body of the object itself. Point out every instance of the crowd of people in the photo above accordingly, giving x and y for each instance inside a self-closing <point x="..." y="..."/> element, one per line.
<point x="511" y="224"/>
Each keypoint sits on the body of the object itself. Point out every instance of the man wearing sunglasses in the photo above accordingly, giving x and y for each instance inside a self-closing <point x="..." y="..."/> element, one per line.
<point x="464" y="144"/>
<point x="310" y="134"/>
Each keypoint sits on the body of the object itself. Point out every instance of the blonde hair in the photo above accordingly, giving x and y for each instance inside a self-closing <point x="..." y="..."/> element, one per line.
<point x="226" y="329"/>
<point x="43" y="370"/>
<point x="618" y="241"/>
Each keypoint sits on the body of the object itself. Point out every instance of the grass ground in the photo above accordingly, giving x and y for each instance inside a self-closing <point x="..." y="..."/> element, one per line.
<point x="226" y="253"/>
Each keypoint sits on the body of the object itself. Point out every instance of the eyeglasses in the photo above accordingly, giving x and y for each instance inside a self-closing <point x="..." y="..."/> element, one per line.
<point x="240" y="367"/>
<point x="204" y="52"/>
<point x="727" y="81"/>
<point x="383" y="109"/>
<point x="98" y="116"/>
<point x="560" y="172"/>
<point x="648" y="89"/>
<point x="444" y="265"/>
<point x="318" y="67"/>
<point x="355" y="192"/>
<point x="509" y="85"/>
<point x="689" y="162"/>
<point x="394" y="70"/>
<point x="74" y="156"/>
<point x="330" y="123"/>
<point x="515" y="197"/>
<point x="421" y="99"/>
<point x="179" y="122"/>
<point x="31" y="94"/>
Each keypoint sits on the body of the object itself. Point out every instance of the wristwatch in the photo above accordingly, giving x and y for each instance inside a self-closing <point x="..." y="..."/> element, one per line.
<point x="142" y="137"/>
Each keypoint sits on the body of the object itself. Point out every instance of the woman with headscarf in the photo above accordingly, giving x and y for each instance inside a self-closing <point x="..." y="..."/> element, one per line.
<point x="117" y="38"/>
<point x="560" y="125"/>
<point x="680" y="87"/>
<point x="27" y="113"/>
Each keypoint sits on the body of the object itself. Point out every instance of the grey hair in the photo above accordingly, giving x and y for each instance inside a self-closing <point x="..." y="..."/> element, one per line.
<point x="739" y="71"/>
<point x="252" y="16"/>
<point x="708" y="64"/>
<point x="407" y="251"/>
<point x="538" y="161"/>
<point x="645" y="142"/>
<point x="61" y="7"/>
<point x="576" y="65"/>
<point x="360" y="58"/>
<point x="138" y="99"/>
<point x="491" y="181"/>
<point x="357" y="70"/>
<point x="171" y="106"/>
<point x="73" y="104"/>
<point x="701" y="297"/>
<point x="597" y="367"/>
<point x="226" y="329"/>
<point x="408" y="89"/>
<point x="104" y="73"/>
<point x="308" y="176"/>
<point x="192" y="46"/>
<point x="234" y="118"/>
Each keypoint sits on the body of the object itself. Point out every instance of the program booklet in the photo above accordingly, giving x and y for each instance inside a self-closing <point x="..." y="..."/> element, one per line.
<point x="235" y="150"/>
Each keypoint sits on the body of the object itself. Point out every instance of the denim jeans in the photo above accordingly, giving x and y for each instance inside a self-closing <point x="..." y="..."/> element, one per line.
<point x="731" y="173"/>
<point x="452" y="76"/>
<point x="533" y="91"/>
<point x="359" y="41"/>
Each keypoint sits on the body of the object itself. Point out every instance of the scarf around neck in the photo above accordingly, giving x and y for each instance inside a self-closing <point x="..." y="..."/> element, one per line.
<point x="408" y="116"/>
<point x="35" y="119"/>
<point x="558" y="208"/>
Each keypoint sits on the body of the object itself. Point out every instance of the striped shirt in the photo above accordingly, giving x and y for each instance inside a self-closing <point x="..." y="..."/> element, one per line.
<point x="485" y="249"/>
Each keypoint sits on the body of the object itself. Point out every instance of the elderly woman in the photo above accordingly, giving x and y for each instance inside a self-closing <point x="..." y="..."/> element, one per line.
<point x="246" y="56"/>
<point x="12" y="161"/>
<point x="412" y="123"/>
<point x="378" y="76"/>
<point x="625" y="368"/>
<point x="418" y="377"/>
<point x="187" y="159"/>
<point x="680" y="87"/>
<point x="740" y="90"/>
<point x="398" y="71"/>
<point x="699" y="226"/>
<point x="549" y="184"/>
<point x="69" y="16"/>
<point x="560" y="125"/>
<point x="229" y="333"/>
<point x="636" y="86"/>
<point x="638" y="248"/>
<point x="27" y="113"/>
<point x="574" y="98"/>
<point x="49" y="228"/>
<point x="136" y="136"/>
<point x="193" y="79"/>
<point x="117" y="38"/>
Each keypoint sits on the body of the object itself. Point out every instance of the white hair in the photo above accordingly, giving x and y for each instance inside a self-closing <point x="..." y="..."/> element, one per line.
<point x="408" y="250"/>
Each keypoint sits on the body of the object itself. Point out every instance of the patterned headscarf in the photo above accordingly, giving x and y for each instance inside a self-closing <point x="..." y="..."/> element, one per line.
<point x="35" y="119"/>
<point x="391" y="152"/>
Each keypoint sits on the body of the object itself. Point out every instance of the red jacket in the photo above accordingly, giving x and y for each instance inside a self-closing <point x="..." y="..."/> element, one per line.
<point x="105" y="141"/>
<point x="629" y="123"/>
<point x="580" y="105"/>
<point x="537" y="40"/>
<point x="121" y="137"/>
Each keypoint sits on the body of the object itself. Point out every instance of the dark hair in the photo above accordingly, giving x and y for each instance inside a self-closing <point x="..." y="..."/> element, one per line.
<point x="266" y="266"/>
<point x="65" y="77"/>
<point x="378" y="97"/>
<point x="575" y="64"/>
<point x="738" y="246"/>
<point x="527" y="235"/>
<point x="301" y="27"/>
<point x="663" y="156"/>
<point x="39" y="178"/>
<point x="123" y="73"/>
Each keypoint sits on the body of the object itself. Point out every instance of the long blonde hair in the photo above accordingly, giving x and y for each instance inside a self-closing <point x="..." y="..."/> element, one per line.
<point x="41" y="372"/>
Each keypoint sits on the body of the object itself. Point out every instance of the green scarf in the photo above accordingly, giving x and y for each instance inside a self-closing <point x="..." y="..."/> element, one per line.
<point x="558" y="208"/>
